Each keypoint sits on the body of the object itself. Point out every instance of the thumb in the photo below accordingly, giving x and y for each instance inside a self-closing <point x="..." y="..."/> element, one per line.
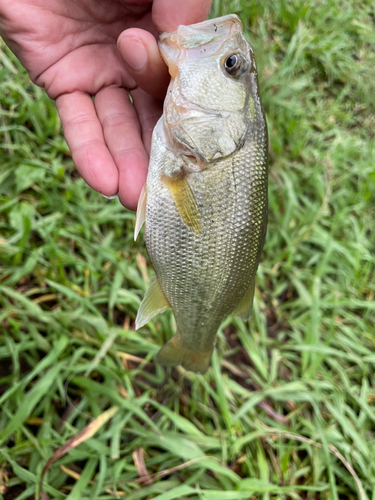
<point x="142" y="59"/>
<point x="167" y="15"/>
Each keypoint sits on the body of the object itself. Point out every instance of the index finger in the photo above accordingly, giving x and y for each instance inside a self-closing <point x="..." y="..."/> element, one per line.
<point x="167" y="15"/>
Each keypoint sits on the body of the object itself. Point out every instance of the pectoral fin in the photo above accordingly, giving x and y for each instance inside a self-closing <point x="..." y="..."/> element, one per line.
<point x="245" y="307"/>
<point x="184" y="200"/>
<point x="141" y="212"/>
<point x="153" y="303"/>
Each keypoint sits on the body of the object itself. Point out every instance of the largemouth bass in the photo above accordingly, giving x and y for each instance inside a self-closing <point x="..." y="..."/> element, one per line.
<point x="205" y="200"/>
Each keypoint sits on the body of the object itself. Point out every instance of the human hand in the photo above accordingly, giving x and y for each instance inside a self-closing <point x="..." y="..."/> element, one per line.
<point x="73" y="49"/>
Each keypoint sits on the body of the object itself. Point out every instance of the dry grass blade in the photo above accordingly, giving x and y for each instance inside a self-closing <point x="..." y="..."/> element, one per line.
<point x="130" y="357"/>
<point x="4" y="479"/>
<point x="331" y="448"/>
<point x="142" y="266"/>
<point x="272" y="413"/>
<point x="150" y="478"/>
<point x="139" y="462"/>
<point x="70" y="473"/>
<point x="89" y="431"/>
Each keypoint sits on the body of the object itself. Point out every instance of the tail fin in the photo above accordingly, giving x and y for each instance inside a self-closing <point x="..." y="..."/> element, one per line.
<point x="173" y="353"/>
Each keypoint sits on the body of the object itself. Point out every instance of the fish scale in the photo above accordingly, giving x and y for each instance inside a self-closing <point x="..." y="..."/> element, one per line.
<point x="206" y="193"/>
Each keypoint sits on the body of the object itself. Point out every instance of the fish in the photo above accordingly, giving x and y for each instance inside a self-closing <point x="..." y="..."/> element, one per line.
<point x="204" y="203"/>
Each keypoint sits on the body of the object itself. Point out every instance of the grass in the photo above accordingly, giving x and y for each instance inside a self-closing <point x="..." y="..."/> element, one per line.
<point x="287" y="410"/>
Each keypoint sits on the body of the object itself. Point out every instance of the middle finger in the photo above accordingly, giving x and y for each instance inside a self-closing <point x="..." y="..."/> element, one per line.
<point x="122" y="133"/>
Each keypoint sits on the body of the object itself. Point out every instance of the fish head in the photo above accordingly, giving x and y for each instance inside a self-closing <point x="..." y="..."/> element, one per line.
<point x="213" y="95"/>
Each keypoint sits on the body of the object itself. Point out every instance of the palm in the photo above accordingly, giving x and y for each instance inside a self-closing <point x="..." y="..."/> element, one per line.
<point x="71" y="48"/>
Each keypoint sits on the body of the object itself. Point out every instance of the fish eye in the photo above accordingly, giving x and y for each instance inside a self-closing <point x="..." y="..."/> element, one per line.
<point x="233" y="63"/>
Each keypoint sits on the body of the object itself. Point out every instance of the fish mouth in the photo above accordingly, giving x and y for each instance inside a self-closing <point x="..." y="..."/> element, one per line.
<point x="195" y="35"/>
<point x="206" y="37"/>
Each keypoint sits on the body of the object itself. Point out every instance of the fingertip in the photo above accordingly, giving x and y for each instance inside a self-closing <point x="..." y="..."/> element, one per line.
<point x="143" y="60"/>
<point x="97" y="168"/>
<point x="134" y="48"/>
<point x="141" y="35"/>
<point x="130" y="186"/>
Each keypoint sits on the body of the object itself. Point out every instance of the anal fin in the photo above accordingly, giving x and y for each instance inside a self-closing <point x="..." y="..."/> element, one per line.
<point x="184" y="200"/>
<point x="245" y="307"/>
<point x="153" y="303"/>
<point x="173" y="354"/>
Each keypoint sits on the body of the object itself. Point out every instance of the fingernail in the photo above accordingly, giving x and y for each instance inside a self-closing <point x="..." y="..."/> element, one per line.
<point x="110" y="197"/>
<point x="134" y="53"/>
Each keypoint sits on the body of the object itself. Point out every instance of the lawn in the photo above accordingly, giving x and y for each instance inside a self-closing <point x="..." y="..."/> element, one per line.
<point x="287" y="409"/>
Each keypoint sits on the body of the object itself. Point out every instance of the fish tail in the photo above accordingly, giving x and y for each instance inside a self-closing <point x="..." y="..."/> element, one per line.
<point x="173" y="353"/>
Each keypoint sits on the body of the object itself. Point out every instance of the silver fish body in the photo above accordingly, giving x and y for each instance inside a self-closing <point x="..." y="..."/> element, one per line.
<point x="205" y="201"/>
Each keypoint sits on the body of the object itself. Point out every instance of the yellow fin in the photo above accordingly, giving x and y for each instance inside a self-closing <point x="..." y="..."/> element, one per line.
<point x="245" y="307"/>
<point x="153" y="303"/>
<point x="184" y="200"/>
<point x="141" y="212"/>
<point x="173" y="353"/>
